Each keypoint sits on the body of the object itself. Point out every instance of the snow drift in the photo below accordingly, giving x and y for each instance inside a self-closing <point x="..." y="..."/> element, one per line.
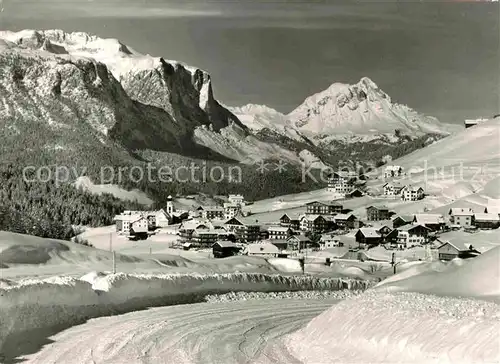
<point x="387" y="325"/>
<point x="40" y="308"/>
<point x="478" y="277"/>
<point x="401" y="328"/>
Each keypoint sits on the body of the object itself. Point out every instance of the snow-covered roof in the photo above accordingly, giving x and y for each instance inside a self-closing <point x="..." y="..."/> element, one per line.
<point x="299" y="238"/>
<point x="429" y="219"/>
<point x="262" y="248"/>
<point x="379" y="207"/>
<point x="199" y="232"/>
<point x="128" y="217"/>
<point x="247" y="220"/>
<point x="407" y="218"/>
<point x="412" y="188"/>
<point x="226" y="244"/>
<point x="343" y="216"/>
<point x="370" y="232"/>
<point x="411" y="227"/>
<point x="213" y="208"/>
<point x="457" y="211"/>
<point x="292" y="215"/>
<point x="492" y="209"/>
<point x="393" y="168"/>
<point x="278" y="228"/>
<point x="231" y="205"/>
<point x="458" y="245"/>
<point x="195" y="223"/>
<point x="394" y="184"/>
<point x="486" y="217"/>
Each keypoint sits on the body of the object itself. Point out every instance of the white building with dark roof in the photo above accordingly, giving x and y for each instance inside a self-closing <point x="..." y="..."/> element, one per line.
<point x="412" y="193"/>
<point x="392" y="189"/>
<point x="461" y="216"/>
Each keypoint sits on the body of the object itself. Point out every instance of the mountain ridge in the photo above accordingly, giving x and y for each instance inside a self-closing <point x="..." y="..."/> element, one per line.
<point x="76" y="98"/>
<point x="360" y="111"/>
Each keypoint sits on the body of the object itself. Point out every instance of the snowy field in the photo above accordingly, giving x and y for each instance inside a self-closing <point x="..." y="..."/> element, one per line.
<point x="202" y="333"/>
<point x="454" y="317"/>
<point x="462" y="170"/>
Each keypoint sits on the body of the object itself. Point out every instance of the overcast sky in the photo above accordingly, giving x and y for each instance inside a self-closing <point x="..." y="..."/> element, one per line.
<point x="442" y="59"/>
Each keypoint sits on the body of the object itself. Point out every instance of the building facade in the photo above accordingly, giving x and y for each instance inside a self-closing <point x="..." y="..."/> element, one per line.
<point x="231" y="210"/>
<point x="212" y="212"/>
<point x="411" y="193"/>
<point x="462" y="217"/>
<point x="243" y="230"/>
<point x="392" y="190"/>
<point x="315" y="224"/>
<point x="377" y="213"/>
<point x="486" y="221"/>
<point x="320" y="208"/>
<point x="279" y="232"/>
<point x="347" y="221"/>
<point x="291" y="221"/>
<point x="341" y="183"/>
<point x="412" y="235"/>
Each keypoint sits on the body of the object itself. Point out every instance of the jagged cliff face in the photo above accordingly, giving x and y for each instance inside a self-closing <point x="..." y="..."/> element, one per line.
<point x="104" y="92"/>
<point x="67" y="100"/>
<point x="78" y="91"/>
<point x="124" y="97"/>
<point x="184" y="92"/>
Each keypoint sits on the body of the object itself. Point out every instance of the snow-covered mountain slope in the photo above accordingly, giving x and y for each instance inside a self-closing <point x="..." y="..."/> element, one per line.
<point x="183" y="91"/>
<point x="439" y="324"/>
<point x="363" y="109"/>
<point x="463" y="168"/>
<point x="233" y="143"/>
<point x="258" y="117"/>
<point x="57" y="79"/>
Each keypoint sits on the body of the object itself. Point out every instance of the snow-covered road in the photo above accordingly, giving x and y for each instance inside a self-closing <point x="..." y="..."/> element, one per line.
<point x="234" y="332"/>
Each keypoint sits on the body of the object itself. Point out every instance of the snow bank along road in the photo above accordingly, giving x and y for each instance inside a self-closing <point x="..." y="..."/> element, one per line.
<point x="32" y="311"/>
<point x="234" y="332"/>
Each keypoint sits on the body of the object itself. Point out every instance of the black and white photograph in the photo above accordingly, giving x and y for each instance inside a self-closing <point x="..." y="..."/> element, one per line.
<point x="249" y="181"/>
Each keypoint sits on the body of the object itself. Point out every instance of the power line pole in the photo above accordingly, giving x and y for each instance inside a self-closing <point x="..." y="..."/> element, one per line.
<point x="111" y="242"/>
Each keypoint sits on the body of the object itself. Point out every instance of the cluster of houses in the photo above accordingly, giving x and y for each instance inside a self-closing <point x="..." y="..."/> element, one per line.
<point x="489" y="218"/>
<point x="403" y="232"/>
<point x="227" y="211"/>
<point x="420" y="229"/>
<point x="396" y="190"/>
<point x="288" y="236"/>
<point x="229" y="231"/>
<point x="345" y="184"/>
<point x="137" y="224"/>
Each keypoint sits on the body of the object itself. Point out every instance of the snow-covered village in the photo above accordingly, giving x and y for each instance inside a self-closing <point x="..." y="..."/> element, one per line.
<point x="324" y="217"/>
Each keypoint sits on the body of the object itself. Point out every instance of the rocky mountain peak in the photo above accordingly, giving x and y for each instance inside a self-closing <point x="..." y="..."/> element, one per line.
<point x="362" y="108"/>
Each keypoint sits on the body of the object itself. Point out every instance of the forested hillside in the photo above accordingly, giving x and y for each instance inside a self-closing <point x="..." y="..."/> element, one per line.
<point x="49" y="210"/>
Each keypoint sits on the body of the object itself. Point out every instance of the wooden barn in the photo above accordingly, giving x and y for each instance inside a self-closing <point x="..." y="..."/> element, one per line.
<point x="224" y="249"/>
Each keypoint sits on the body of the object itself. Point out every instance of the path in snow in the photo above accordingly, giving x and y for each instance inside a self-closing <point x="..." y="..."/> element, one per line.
<point x="236" y="332"/>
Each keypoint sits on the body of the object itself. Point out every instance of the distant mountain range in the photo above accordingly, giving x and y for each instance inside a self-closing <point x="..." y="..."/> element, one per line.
<point x="85" y="100"/>
<point x="345" y="112"/>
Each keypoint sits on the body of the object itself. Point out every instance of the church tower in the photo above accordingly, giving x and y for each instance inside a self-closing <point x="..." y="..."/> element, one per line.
<point x="170" y="205"/>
